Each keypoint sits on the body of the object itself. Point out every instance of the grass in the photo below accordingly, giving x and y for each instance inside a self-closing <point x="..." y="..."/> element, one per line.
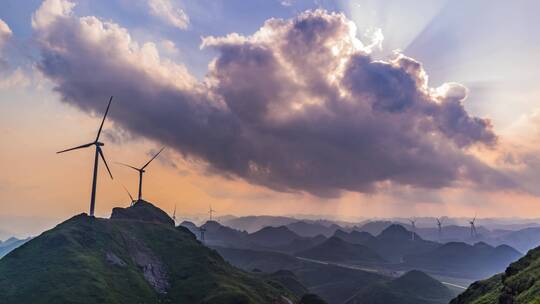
<point x="68" y="265"/>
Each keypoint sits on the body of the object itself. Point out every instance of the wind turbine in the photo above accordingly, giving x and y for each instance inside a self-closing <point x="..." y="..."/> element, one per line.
<point x="130" y="197"/>
<point x="211" y="212"/>
<point x="99" y="153"/>
<point x="141" y="171"/>
<point x="473" y="228"/>
<point x="174" y="215"/>
<point x="413" y="224"/>
<point x="439" y="226"/>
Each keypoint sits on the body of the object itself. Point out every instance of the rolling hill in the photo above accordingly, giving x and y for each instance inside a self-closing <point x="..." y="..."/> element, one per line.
<point x="137" y="256"/>
<point x="272" y="237"/>
<point x="518" y="284"/>
<point x="337" y="250"/>
<point x="354" y="237"/>
<point x="461" y="259"/>
<point x="395" y="242"/>
<point x="414" y="287"/>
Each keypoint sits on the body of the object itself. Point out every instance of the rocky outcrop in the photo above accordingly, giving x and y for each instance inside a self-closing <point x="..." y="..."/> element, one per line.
<point x="142" y="211"/>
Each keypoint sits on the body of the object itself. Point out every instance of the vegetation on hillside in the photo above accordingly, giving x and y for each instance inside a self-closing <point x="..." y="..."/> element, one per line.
<point x="92" y="260"/>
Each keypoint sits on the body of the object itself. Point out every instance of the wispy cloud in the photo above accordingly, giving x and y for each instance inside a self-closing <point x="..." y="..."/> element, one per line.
<point x="169" y="12"/>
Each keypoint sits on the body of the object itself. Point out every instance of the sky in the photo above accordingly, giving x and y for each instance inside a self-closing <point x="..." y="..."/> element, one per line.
<point x="336" y="109"/>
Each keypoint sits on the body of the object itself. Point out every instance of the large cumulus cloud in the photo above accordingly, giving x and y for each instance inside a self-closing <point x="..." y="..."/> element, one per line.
<point x="298" y="106"/>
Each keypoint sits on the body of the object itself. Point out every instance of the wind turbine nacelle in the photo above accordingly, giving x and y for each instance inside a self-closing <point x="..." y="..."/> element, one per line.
<point x="98" y="143"/>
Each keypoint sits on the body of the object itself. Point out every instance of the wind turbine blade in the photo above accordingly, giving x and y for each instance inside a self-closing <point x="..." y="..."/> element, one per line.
<point x="152" y="158"/>
<point x="79" y="147"/>
<point x="105" y="162"/>
<point x="131" y="197"/>
<point x="103" y="121"/>
<point x="128" y="166"/>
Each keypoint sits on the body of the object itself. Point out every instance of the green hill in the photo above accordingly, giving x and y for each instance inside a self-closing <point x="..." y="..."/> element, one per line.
<point x="519" y="284"/>
<point x="137" y="256"/>
<point x="414" y="287"/>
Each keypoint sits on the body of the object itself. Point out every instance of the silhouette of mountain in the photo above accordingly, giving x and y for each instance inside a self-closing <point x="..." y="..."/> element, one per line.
<point x="137" y="256"/>
<point x="519" y="283"/>
<point x="337" y="250"/>
<point x="11" y="244"/>
<point x="219" y="235"/>
<point x="191" y="227"/>
<point x="354" y="237"/>
<point x="395" y="242"/>
<point x="300" y="244"/>
<point x="414" y="287"/>
<point x="273" y="237"/>
<point x="266" y="261"/>
<point x="252" y="224"/>
<point x="375" y="227"/>
<point x="306" y="229"/>
<point x="477" y="261"/>
<point x="334" y="284"/>
<point x="523" y="239"/>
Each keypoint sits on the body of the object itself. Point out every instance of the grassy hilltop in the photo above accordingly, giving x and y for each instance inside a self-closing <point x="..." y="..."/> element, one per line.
<point x="137" y="256"/>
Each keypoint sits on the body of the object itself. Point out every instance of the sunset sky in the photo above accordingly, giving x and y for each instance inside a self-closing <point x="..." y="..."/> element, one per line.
<point x="341" y="109"/>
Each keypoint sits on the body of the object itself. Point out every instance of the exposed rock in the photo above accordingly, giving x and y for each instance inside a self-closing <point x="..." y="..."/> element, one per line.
<point x="142" y="211"/>
<point x="113" y="259"/>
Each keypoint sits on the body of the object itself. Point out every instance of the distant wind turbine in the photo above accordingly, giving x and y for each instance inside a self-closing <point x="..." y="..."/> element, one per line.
<point x="174" y="215"/>
<point x="99" y="153"/>
<point x="439" y="226"/>
<point x="473" y="227"/>
<point x="413" y="224"/>
<point x="141" y="171"/>
<point x="211" y="212"/>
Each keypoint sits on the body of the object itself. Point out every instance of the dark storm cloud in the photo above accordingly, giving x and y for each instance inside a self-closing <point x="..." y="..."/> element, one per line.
<point x="298" y="106"/>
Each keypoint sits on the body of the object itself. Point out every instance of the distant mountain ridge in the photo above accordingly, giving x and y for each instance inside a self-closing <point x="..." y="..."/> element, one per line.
<point x="414" y="287"/>
<point x="337" y="250"/>
<point x="11" y="244"/>
<point x="476" y="261"/>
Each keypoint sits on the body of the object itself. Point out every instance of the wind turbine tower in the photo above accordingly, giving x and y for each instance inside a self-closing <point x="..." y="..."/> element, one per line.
<point x="211" y="212"/>
<point x="439" y="226"/>
<point x="413" y="224"/>
<point x="174" y="215"/>
<point x="98" y="154"/>
<point x="473" y="227"/>
<point x="141" y="171"/>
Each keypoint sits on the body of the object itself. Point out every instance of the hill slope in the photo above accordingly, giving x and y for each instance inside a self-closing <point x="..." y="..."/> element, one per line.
<point x="337" y="250"/>
<point x="414" y="287"/>
<point x="129" y="258"/>
<point x="519" y="284"/>
<point x="476" y="261"/>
